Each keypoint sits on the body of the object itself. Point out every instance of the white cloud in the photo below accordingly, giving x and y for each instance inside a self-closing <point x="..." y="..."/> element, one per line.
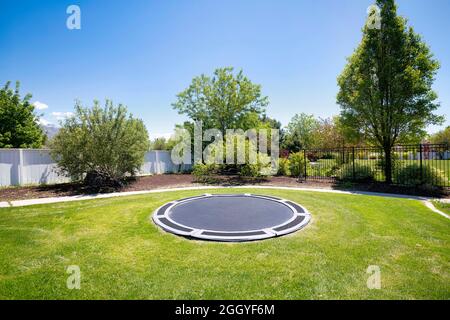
<point x="44" y="122"/>
<point x="39" y="105"/>
<point x="62" y="115"/>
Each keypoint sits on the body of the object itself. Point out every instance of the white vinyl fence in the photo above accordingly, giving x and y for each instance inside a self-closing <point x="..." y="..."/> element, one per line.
<point x="35" y="166"/>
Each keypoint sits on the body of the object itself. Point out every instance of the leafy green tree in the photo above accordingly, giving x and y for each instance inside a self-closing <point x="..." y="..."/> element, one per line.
<point x="271" y="123"/>
<point x="442" y="136"/>
<point x="301" y="132"/>
<point x="226" y="100"/>
<point x="223" y="101"/>
<point x="328" y="134"/>
<point x="19" y="127"/>
<point x="101" y="145"/>
<point x="158" y="144"/>
<point x="385" y="89"/>
<point x="162" y="143"/>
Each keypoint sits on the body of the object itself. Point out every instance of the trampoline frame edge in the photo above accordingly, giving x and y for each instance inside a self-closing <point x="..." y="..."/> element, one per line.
<point x="197" y="233"/>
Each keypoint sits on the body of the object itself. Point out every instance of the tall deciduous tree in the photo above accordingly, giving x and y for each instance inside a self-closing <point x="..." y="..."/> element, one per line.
<point x="329" y="134"/>
<point x="385" y="89"/>
<point x="19" y="127"/>
<point x="301" y="132"/>
<point x="223" y="101"/>
<point x="442" y="136"/>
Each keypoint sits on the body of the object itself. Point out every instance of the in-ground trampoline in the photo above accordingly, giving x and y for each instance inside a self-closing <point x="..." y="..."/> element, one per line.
<point x="231" y="217"/>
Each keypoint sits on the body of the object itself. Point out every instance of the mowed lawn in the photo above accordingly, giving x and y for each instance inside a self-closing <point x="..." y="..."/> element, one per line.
<point x="123" y="255"/>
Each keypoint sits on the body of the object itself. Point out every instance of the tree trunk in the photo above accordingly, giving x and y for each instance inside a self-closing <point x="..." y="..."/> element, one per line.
<point x="388" y="164"/>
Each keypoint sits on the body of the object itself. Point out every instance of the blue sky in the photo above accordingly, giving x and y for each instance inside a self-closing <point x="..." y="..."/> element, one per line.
<point x="142" y="53"/>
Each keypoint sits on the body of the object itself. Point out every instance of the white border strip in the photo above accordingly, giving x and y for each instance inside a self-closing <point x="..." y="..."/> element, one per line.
<point x="431" y="206"/>
<point x="28" y="202"/>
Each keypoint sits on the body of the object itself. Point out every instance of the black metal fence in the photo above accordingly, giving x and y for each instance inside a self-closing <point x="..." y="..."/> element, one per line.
<point x="422" y="164"/>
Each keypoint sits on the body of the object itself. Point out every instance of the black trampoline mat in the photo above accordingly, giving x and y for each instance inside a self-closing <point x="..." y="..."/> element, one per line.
<point x="231" y="213"/>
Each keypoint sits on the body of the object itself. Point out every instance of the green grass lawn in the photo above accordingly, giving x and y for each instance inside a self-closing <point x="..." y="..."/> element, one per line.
<point x="123" y="255"/>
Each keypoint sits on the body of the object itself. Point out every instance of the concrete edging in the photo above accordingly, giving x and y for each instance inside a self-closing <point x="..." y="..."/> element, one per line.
<point x="28" y="202"/>
<point x="429" y="204"/>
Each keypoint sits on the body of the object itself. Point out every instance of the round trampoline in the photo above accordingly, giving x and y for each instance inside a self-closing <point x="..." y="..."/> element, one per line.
<point x="231" y="217"/>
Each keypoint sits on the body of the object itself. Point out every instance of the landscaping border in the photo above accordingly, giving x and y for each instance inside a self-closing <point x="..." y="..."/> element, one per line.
<point x="28" y="202"/>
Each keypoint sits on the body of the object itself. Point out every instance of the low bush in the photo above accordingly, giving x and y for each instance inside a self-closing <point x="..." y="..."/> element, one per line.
<point x="331" y="172"/>
<point x="249" y="170"/>
<point x="413" y="175"/>
<point x="263" y="167"/>
<point x="359" y="173"/>
<point x="283" y="167"/>
<point x="204" y="172"/>
<point x="297" y="163"/>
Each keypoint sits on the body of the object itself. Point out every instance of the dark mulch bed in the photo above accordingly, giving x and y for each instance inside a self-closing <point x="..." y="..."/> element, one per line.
<point x="71" y="189"/>
<point x="187" y="180"/>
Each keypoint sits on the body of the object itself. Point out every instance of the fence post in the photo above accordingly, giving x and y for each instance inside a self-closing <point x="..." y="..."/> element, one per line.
<point x="421" y="166"/>
<point x="157" y="164"/>
<point x="304" y="156"/>
<point x="353" y="155"/>
<point x="20" y="168"/>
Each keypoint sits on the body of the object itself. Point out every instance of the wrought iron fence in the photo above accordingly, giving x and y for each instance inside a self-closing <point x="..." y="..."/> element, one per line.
<point x="422" y="164"/>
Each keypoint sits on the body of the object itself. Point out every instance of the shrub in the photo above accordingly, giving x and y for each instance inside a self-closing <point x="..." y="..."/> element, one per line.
<point x="411" y="175"/>
<point x="362" y="173"/>
<point x="100" y="145"/>
<point x="283" y="167"/>
<point x="332" y="171"/>
<point x="204" y="172"/>
<point x="297" y="164"/>
<point x="249" y="170"/>
<point x="263" y="167"/>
